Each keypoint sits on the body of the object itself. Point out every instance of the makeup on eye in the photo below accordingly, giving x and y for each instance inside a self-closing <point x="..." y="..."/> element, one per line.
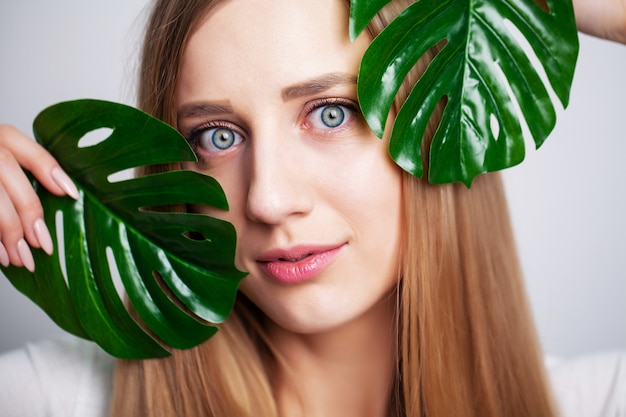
<point x="330" y="114"/>
<point x="215" y="136"/>
<point x="326" y="115"/>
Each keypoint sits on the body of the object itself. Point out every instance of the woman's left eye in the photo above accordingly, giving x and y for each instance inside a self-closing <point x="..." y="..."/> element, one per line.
<point x="216" y="139"/>
<point x="329" y="116"/>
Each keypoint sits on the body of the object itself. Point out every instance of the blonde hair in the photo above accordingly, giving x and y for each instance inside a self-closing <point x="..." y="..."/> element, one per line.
<point x="466" y="342"/>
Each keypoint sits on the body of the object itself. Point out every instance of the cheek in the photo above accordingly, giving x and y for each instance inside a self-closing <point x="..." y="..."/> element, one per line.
<point x="232" y="188"/>
<point x="380" y="211"/>
<point x="385" y="218"/>
<point x="372" y="187"/>
<point x="251" y="288"/>
<point x="371" y="203"/>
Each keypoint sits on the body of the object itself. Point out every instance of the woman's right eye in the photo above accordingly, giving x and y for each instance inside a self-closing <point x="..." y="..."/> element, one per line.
<point x="216" y="139"/>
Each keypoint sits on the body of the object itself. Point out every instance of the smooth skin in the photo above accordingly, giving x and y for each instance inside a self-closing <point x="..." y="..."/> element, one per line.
<point x="301" y="168"/>
<point x="293" y="179"/>
<point x="602" y="18"/>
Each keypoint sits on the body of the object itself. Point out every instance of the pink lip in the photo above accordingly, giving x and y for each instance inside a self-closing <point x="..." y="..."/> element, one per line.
<point x="299" y="263"/>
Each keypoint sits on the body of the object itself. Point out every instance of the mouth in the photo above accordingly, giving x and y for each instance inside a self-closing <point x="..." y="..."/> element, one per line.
<point x="295" y="259"/>
<point x="298" y="264"/>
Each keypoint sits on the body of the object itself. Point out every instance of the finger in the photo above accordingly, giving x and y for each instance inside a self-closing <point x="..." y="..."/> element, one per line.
<point x="34" y="158"/>
<point x="604" y="19"/>
<point x="26" y="256"/>
<point x="43" y="236"/>
<point x="4" y="256"/>
<point x="11" y="231"/>
<point x="13" y="248"/>
<point x="21" y="208"/>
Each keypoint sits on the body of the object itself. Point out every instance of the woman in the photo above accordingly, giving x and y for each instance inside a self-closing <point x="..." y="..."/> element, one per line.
<point x="370" y="292"/>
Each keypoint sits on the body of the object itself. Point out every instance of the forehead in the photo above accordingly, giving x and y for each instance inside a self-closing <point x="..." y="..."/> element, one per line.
<point x="271" y="40"/>
<point x="283" y="22"/>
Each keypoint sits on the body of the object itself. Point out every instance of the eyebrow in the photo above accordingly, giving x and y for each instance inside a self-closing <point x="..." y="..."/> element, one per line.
<point x="317" y="85"/>
<point x="305" y="88"/>
<point x="193" y="110"/>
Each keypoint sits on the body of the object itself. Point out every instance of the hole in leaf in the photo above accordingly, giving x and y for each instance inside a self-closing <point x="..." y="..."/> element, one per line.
<point x="58" y="222"/>
<point x="543" y="4"/>
<point x="434" y="120"/>
<point x="541" y="73"/>
<point x="115" y="273"/>
<point x="196" y="236"/>
<point x="95" y="137"/>
<point x="528" y="139"/>
<point x="158" y="278"/>
<point x="120" y="176"/>
<point x="494" y="126"/>
<point x="536" y="63"/>
<point x="173" y="208"/>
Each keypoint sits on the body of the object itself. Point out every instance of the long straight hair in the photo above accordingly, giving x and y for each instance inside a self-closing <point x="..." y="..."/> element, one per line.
<point x="466" y="342"/>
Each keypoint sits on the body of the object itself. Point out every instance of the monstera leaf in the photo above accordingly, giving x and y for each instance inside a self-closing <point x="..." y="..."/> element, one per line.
<point x="483" y="71"/>
<point x="177" y="268"/>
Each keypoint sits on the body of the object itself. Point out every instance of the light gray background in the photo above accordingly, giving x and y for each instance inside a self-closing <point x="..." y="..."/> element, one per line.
<point x="567" y="201"/>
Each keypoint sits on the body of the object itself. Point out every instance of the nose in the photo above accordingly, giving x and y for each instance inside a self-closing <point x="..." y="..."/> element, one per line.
<point x="279" y="181"/>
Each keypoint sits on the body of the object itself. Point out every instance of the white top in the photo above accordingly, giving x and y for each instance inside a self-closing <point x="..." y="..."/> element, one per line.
<point x="68" y="377"/>
<point x="591" y="385"/>
<point x="72" y="378"/>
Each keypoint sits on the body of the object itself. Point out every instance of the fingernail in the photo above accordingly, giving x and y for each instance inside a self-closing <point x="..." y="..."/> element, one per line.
<point x="4" y="256"/>
<point x="25" y="255"/>
<point x="65" y="182"/>
<point x="43" y="235"/>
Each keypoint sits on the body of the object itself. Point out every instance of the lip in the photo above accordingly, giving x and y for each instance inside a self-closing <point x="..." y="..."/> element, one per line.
<point x="298" y="264"/>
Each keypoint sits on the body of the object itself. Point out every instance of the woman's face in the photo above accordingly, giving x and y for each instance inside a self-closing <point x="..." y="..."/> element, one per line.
<point x="267" y="97"/>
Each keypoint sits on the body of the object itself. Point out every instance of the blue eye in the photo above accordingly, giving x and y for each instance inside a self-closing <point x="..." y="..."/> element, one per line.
<point x="218" y="139"/>
<point x="222" y="138"/>
<point x="332" y="116"/>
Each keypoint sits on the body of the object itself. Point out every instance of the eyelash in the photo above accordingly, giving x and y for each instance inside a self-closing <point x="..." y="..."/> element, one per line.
<point x="318" y="104"/>
<point x="194" y="135"/>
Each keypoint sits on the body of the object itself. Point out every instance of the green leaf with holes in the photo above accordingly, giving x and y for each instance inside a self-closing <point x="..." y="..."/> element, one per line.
<point x="484" y="73"/>
<point x="176" y="268"/>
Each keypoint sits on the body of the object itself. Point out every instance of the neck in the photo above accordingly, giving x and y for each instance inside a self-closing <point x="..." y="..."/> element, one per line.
<point x="347" y="371"/>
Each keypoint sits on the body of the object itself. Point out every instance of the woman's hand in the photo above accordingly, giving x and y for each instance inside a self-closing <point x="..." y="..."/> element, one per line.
<point x="602" y="18"/>
<point x="21" y="214"/>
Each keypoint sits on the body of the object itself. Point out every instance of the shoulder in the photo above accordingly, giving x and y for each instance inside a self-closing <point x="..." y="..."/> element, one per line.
<point x="65" y="377"/>
<point x="591" y="385"/>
